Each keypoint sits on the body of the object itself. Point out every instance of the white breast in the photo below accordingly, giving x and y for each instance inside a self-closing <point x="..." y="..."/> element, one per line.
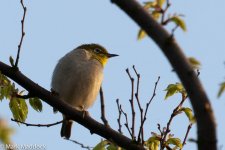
<point x="77" y="79"/>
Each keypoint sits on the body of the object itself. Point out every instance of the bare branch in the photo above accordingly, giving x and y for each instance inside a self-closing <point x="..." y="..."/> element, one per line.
<point x="119" y="117"/>
<point x="160" y="130"/>
<point x="173" y="31"/>
<point x="103" y="108"/>
<point x="132" y="104"/>
<point x="147" y="106"/>
<point x="141" y="129"/>
<point x="138" y="79"/>
<point x="163" y="11"/>
<point x="126" y="124"/>
<point x="81" y="144"/>
<point x="22" y="34"/>
<point x="153" y="95"/>
<point x="37" y="125"/>
<point x="186" y="135"/>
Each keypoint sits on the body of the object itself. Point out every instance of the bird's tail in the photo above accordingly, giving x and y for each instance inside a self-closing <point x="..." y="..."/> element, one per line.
<point x="66" y="128"/>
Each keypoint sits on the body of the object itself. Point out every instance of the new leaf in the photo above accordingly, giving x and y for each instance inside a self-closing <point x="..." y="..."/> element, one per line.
<point x="36" y="104"/>
<point x="222" y="89"/>
<point x="179" y="22"/>
<point x="18" y="108"/>
<point x="173" y="89"/>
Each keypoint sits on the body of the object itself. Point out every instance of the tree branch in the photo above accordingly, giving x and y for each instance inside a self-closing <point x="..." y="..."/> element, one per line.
<point x="22" y="34"/>
<point x="37" y="125"/>
<point x="132" y="104"/>
<point x="63" y="107"/>
<point x="186" y="135"/>
<point x="206" y="125"/>
<point x="126" y="124"/>
<point x="141" y="129"/>
<point x="119" y="117"/>
<point x="103" y="108"/>
<point x="81" y="144"/>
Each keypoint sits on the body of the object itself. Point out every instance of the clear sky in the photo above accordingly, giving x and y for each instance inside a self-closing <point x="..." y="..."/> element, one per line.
<point x="53" y="28"/>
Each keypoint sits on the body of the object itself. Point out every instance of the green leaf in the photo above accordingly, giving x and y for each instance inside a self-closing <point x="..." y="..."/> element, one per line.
<point x="174" y="141"/>
<point x="160" y="2"/>
<point x="148" y="5"/>
<point x="153" y="143"/>
<point x="6" y="87"/>
<point x="194" y="62"/>
<point x="156" y="15"/>
<point x="18" y="108"/>
<point x="113" y="147"/>
<point x="188" y="113"/>
<point x="221" y="90"/>
<point x="36" y="104"/>
<point x="101" y="145"/>
<point x="179" y="22"/>
<point x="11" y="60"/>
<point x="141" y="34"/>
<point x="173" y="89"/>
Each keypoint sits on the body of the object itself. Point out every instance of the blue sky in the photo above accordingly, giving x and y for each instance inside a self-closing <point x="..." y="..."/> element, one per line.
<point x="53" y="28"/>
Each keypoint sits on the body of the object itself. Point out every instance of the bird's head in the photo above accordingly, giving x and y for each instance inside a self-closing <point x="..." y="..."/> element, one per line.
<point x="97" y="52"/>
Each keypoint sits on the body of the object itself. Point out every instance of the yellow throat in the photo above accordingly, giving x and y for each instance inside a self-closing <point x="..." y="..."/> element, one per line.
<point x="98" y="52"/>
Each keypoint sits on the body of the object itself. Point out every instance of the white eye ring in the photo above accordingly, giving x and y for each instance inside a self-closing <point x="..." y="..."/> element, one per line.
<point x="96" y="50"/>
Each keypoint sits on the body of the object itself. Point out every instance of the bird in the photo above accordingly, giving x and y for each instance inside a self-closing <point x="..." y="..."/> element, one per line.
<point x="77" y="79"/>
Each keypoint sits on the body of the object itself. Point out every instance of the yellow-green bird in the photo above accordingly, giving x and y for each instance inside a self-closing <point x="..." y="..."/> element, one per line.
<point x="77" y="78"/>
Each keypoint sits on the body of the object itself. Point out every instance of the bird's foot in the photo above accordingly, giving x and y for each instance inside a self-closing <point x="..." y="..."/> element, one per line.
<point x="85" y="113"/>
<point x="54" y="93"/>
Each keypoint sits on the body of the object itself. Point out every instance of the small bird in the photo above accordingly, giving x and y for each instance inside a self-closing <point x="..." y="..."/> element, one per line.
<point x="77" y="79"/>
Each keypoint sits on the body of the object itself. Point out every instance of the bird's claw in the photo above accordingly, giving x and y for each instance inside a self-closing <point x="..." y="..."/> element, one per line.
<point x="85" y="113"/>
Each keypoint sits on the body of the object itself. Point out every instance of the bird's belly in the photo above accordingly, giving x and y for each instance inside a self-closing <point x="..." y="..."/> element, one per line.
<point x="85" y="87"/>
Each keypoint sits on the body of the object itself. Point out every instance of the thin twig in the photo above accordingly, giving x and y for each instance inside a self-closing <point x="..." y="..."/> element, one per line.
<point x="163" y="11"/>
<point x="29" y="95"/>
<point x="173" y="31"/>
<point x="103" y="108"/>
<point x="175" y="112"/>
<point x="141" y="130"/>
<point x="153" y="95"/>
<point x="138" y="79"/>
<point x="81" y="144"/>
<point x="22" y="34"/>
<point x="198" y="72"/>
<point x="186" y="135"/>
<point x="126" y="124"/>
<point x="119" y="118"/>
<point x="132" y="104"/>
<point x="37" y="125"/>
<point x="159" y="128"/>
<point x="147" y="106"/>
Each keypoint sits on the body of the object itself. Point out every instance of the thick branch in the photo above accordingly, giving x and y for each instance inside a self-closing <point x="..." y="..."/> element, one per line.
<point x="206" y="125"/>
<point x="51" y="99"/>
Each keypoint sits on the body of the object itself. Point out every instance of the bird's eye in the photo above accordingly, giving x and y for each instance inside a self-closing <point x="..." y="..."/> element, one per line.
<point x="97" y="51"/>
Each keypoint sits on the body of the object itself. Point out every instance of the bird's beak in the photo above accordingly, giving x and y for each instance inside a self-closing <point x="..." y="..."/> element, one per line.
<point x="111" y="55"/>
